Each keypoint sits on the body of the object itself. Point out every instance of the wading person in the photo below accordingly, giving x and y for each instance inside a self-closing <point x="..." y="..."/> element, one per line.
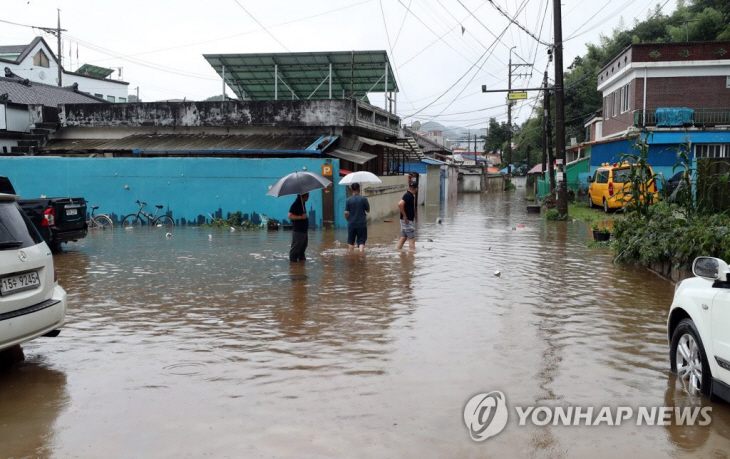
<point x="300" y="228"/>
<point x="407" y="208"/>
<point x="356" y="209"/>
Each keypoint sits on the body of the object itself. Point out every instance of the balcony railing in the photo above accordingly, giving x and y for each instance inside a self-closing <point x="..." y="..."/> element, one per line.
<point x="701" y="117"/>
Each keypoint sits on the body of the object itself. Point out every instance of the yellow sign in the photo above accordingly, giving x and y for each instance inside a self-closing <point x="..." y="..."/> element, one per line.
<point x="516" y="95"/>
<point x="327" y="170"/>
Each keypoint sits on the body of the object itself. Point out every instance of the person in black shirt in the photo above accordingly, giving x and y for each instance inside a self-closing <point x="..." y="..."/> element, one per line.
<point x="407" y="207"/>
<point x="300" y="227"/>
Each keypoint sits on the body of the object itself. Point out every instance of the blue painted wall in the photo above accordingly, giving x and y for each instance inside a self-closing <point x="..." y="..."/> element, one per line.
<point x="191" y="189"/>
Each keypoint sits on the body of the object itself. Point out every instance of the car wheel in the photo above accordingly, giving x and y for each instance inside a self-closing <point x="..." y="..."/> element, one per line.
<point x="688" y="359"/>
<point x="605" y="205"/>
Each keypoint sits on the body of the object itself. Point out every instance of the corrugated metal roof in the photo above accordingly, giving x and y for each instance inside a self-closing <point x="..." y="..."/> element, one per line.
<point x="433" y="162"/>
<point x="357" y="157"/>
<point x="197" y="143"/>
<point x="306" y="75"/>
<point x="43" y="94"/>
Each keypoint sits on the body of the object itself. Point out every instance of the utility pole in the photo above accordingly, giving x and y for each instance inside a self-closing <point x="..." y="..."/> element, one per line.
<point x="57" y="32"/>
<point x="510" y="102"/>
<point x="546" y="100"/>
<point x="509" y="117"/>
<point x="559" y="109"/>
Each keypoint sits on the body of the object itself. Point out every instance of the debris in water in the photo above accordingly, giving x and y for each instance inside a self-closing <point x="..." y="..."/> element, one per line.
<point x="497" y="273"/>
<point x="168" y="235"/>
<point x="210" y="237"/>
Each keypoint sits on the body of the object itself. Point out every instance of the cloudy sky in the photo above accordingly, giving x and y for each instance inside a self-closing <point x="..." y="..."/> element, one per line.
<point x="442" y="50"/>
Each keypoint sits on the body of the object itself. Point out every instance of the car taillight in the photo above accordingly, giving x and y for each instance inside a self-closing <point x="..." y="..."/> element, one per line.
<point x="49" y="217"/>
<point x="610" y="188"/>
<point x="655" y="187"/>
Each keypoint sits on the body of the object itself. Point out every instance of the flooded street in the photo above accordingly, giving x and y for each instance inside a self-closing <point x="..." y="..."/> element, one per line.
<point x="191" y="347"/>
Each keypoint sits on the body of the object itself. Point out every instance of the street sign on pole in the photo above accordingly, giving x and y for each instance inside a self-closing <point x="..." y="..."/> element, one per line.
<point x="516" y="95"/>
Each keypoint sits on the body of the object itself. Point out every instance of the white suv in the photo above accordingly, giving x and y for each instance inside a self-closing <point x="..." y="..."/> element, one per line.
<point x="699" y="329"/>
<point x="32" y="303"/>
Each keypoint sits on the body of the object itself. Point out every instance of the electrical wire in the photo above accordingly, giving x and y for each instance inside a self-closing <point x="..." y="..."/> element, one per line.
<point x="262" y="26"/>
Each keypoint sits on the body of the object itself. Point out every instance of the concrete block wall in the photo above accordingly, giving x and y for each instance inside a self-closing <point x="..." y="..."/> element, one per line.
<point x="190" y="189"/>
<point x="384" y="197"/>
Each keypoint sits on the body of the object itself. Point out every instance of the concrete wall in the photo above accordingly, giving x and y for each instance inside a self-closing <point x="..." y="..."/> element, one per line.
<point x="432" y="187"/>
<point x="470" y="183"/>
<point x="221" y="114"/>
<point x="493" y="183"/>
<point x="384" y="197"/>
<point x="191" y="189"/>
<point x="451" y="182"/>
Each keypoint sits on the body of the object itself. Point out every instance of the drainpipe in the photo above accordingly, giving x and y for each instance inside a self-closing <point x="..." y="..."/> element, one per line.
<point x="644" y="107"/>
<point x="276" y="81"/>
<point x="330" y="80"/>
<point x="224" y="84"/>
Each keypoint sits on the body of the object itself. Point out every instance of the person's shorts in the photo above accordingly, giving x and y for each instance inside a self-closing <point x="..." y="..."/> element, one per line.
<point x="359" y="234"/>
<point x="407" y="229"/>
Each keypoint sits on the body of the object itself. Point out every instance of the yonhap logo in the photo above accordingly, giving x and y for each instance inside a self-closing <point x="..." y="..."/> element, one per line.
<point x="486" y="415"/>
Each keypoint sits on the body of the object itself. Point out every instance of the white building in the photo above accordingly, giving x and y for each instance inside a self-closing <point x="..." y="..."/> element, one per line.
<point x="36" y="62"/>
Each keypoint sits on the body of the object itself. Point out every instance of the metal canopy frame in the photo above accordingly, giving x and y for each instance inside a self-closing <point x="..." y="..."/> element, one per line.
<point x="95" y="71"/>
<point x="301" y="76"/>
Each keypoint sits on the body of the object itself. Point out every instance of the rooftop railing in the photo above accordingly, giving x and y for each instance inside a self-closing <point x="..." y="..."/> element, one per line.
<point x="701" y="117"/>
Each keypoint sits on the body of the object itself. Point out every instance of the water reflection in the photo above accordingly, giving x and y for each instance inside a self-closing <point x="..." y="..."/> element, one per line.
<point x="348" y="354"/>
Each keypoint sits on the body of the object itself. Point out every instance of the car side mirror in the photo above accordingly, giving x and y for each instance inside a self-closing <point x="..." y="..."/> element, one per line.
<point x="590" y="179"/>
<point x="710" y="268"/>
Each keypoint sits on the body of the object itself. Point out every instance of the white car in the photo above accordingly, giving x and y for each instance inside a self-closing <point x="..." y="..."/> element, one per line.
<point x="699" y="329"/>
<point x="32" y="303"/>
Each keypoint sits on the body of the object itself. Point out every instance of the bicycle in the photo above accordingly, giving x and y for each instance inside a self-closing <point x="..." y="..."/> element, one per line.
<point x="135" y="220"/>
<point x="101" y="221"/>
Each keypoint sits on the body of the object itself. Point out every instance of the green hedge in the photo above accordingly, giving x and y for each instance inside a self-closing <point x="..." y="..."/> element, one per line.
<point x="664" y="235"/>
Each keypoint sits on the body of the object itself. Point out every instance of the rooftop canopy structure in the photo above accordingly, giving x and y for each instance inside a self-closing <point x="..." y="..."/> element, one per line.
<point x="94" y="71"/>
<point x="301" y="76"/>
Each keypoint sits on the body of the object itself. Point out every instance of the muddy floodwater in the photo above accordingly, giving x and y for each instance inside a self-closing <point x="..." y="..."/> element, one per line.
<point x="190" y="347"/>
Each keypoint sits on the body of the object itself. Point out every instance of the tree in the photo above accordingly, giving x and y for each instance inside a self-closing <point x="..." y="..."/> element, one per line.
<point x="133" y="99"/>
<point x="496" y="136"/>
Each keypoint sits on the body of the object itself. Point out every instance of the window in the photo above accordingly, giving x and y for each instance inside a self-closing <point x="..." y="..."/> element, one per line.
<point x="606" y="107"/>
<point x="110" y="98"/>
<point x="712" y="151"/>
<point x="122" y="100"/>
<point x="602" y="176"/>
<point x="615" y="104"/>
<point x="625" y="104"/>
<point x="40" y="59"/>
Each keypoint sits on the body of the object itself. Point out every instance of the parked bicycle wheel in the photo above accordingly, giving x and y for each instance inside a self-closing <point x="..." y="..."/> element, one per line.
<point x="131" y="221"/>
<point x="164" y="221"/>
<point x="103" y="222"/>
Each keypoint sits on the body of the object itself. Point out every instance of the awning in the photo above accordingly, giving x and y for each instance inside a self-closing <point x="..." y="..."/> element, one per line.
<point x="433" y="162"/>
<point x="370" y="141"/>
<point x="535" y="170"/>
<point x="357" y="157"/>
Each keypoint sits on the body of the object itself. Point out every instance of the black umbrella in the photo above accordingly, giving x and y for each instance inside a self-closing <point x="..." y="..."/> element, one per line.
<point x="298" y="183"/>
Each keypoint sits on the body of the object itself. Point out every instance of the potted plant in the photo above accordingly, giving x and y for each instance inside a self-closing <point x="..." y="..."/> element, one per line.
<point x="600" y="234"/>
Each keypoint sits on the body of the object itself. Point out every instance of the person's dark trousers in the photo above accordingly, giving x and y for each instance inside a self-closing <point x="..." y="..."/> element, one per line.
<point x="299" y="242"/>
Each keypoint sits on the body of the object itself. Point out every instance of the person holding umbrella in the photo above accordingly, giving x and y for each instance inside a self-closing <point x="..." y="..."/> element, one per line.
<point x="356" y="210"/>
<point x="300" y="228"/>
<point x="300" y="184"/>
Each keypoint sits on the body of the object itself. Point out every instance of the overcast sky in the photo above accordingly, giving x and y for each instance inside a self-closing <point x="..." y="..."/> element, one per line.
<point x="442" y="50"/>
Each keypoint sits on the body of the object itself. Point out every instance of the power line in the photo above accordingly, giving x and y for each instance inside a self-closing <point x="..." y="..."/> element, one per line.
<point x="262" y="26"/>
<point x="517" y="24"/>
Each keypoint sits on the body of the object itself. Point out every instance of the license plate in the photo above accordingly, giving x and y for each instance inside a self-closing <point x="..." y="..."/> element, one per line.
<point x="19" y="282"/>
<point x="72" y="211"/>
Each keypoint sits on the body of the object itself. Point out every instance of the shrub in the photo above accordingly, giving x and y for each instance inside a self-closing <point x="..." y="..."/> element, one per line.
<point x="555" y="215"/>
<point x="665" y="235"/>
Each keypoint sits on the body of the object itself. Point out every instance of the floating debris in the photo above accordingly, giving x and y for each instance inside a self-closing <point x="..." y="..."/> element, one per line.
<point x="497" y="273"/>
<point x="210" y="237"/>
<point x="168" y="235"/>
